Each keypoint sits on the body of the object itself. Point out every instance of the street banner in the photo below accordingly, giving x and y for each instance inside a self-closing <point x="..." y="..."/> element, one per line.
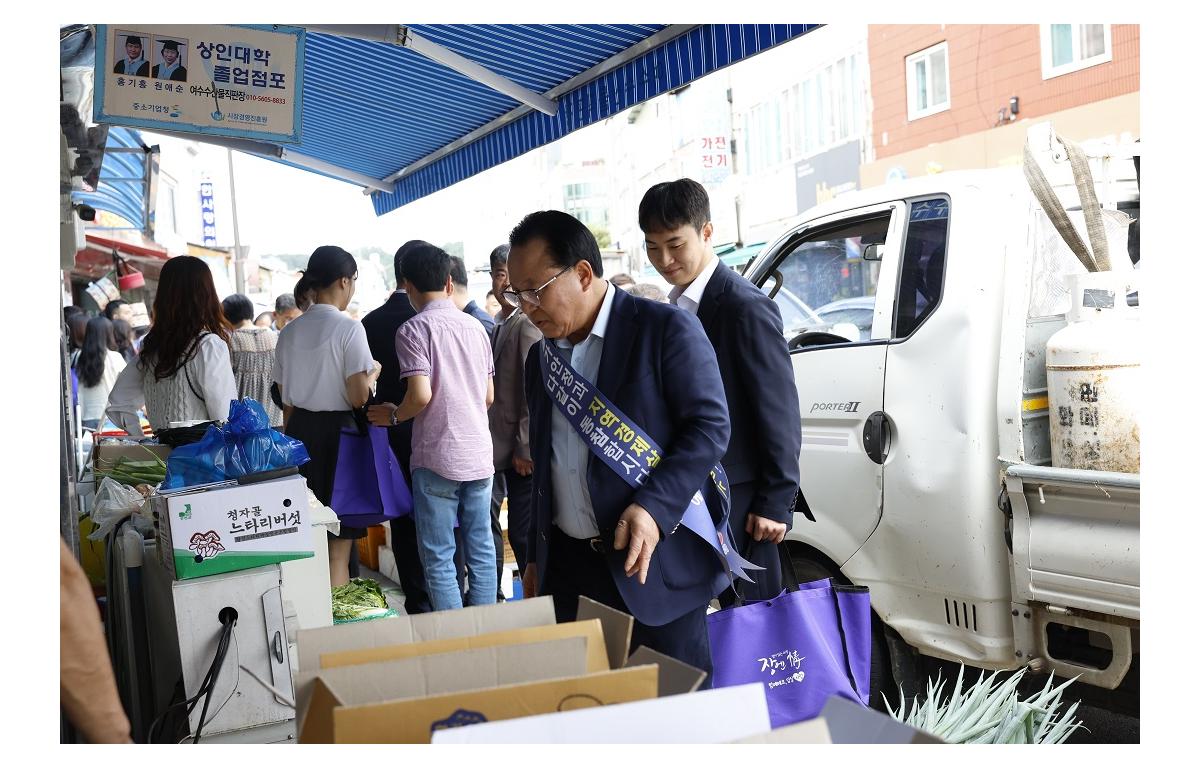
<point x="239" y="81"/>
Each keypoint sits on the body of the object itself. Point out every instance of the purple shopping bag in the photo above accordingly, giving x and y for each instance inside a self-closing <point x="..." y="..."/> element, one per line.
<point x="368" y="487"/>
<point x="803" y="646"/>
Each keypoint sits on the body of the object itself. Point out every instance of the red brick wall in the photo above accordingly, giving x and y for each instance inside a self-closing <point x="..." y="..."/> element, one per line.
<point x="988" y="65"/>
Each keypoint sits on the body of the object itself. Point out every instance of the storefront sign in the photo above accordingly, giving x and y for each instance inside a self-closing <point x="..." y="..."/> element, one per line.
<point x="823" y="177"/>
<point x="713" y="143"/>
<point x="208" y="214"/>
<point x="242" y="81"/>
<point x="715" y="159"/>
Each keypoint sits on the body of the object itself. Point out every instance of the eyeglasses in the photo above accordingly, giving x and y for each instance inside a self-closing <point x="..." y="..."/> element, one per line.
<point x="532" y="297"/>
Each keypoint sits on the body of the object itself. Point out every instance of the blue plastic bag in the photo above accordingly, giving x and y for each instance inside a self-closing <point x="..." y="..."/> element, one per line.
<point x="244" y="445"/>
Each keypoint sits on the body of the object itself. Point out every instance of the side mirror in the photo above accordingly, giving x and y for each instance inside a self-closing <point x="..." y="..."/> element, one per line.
<point x="873" y="252"/>
<point x="848" y="331"/>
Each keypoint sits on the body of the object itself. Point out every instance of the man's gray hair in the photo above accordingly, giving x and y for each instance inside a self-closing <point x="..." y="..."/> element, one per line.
<point x="284" y="302"/>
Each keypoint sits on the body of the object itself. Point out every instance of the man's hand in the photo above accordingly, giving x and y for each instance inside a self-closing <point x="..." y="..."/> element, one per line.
<point x="763" y="529"/>
<point x="522" y="467"/>
<point x="381" y="415"/>
<point x="637" y="530"/>
<point x="529" y="581"/>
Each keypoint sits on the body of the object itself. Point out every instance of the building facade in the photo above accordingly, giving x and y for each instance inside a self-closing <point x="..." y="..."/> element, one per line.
<point x="949" y="97"/>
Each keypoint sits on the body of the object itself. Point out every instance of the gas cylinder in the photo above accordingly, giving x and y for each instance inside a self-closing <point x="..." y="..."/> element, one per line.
<point x="1093" y="376"/>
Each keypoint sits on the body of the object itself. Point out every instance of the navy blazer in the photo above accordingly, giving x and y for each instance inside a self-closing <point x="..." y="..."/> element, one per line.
<point x="382" y="324"/>
<point x="487" y="321"/>
<point x="763" y="457"/>
<point x="659" y="368"/>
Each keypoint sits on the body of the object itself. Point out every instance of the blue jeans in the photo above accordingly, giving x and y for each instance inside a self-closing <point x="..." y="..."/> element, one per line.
<point x="437" y="502"/>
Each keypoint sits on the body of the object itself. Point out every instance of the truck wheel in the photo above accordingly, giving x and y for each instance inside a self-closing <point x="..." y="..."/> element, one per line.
<point x="805" y="569"/>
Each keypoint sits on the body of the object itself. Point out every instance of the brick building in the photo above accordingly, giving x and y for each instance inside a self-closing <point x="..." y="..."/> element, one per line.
<point x="943" y="95"/>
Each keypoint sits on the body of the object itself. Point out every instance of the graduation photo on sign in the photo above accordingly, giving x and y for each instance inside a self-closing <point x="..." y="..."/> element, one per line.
<point x="134" y="62"/>
<point x="171" y="60"/>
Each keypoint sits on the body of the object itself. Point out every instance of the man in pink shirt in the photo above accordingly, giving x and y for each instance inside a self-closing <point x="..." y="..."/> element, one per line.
<point x="447" y="359"/>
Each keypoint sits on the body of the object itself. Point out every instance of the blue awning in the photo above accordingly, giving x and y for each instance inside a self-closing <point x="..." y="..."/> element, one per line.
<point x="387" y="113"/>
<point x="122" y="185"/>
<point x="382" y="115"/>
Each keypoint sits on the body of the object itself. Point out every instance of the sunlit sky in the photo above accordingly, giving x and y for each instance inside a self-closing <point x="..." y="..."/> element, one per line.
<point x="287" y="210"/>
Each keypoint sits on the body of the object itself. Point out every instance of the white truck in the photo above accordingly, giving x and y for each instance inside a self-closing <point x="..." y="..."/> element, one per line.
<point x="926" y="450"/>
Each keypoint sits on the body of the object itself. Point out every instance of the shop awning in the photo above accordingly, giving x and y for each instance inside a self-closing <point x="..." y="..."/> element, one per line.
<point x="593" y="72"/>
<point x="95" y="259"/>
<point x="122" y="186"/>
<point x="382" y="110"/>
<point x="738" y="258"/>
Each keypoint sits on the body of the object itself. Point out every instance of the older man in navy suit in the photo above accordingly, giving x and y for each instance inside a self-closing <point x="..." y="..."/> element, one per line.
<point x="746" y="330"/>
<point x="593" y="533"/>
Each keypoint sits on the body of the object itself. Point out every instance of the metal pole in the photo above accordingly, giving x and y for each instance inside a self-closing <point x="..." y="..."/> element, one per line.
<point x="734" y="161"/>
<point x="147" y="231"/>
<point x="239" y="269"/>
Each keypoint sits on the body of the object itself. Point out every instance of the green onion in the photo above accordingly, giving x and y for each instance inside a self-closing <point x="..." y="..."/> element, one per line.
<point x="990" y="712"/>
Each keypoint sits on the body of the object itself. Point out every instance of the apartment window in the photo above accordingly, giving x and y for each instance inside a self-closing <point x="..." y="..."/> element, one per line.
<point x="825" y="108"/>
<point x="856" y="87"/>
<point x="811" y="121"/>
<point x="845" y="103"/>
<point x="928" y="81"/>
<point x="824" y="116"/>
<point x="759" y="144"/>
<point x="787" y="116"/>
<point x="583" y="191"/>
<point x="1069" y="48"/>
<point x="773" y="128"/>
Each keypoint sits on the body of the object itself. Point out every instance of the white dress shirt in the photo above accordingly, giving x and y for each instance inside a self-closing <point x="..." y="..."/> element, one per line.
<point x="573" y="512"/>
<point x="315" y="355"/>
<point x="689" y="298"/>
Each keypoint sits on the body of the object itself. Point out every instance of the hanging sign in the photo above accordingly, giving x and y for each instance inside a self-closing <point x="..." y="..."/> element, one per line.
<point x="208" y="214"/>
<point x="240" y="81"/>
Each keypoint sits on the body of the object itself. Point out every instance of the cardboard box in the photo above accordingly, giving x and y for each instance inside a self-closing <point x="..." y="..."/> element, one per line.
<point x="704" y="717"/>
<point x="368" y="546"/>
<point x="375" y="701"/>
<point x="311" y="644"/>
<point x="852" y="723"/>
<point x="407" y="701"/>
<point x="815" y="731"/>
<point x="203" y="532"/>
<point x="424" y="627"/>
<point x="845" y="722"/>
<point x="590" y="631"/>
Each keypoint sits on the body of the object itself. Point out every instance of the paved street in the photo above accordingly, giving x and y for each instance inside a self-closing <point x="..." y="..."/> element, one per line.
<point x="1106" y="728"/>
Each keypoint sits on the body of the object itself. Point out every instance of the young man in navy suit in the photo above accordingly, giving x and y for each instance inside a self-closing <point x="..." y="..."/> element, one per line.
<point x="746" y="330"/>
<point x="593" y="533"/>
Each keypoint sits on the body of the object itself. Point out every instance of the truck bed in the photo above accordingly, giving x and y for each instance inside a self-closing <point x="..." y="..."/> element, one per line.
<point x="1076" y="538"/>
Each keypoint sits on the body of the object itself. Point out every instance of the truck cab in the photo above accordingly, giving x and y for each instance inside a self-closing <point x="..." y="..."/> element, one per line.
<point x="925" y="459"/>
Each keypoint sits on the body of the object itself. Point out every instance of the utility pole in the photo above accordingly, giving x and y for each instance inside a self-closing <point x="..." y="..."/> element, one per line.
<point x="239" y="266"/>
<point x="735" y="162"/>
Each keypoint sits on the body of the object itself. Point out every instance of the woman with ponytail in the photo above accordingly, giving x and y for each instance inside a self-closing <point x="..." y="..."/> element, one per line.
<point x="183" y="372"/>
<point x="324" y="370"/>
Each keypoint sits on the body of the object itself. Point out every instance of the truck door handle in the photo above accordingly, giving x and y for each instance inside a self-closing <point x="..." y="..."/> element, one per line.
<point x="877" y="436"/>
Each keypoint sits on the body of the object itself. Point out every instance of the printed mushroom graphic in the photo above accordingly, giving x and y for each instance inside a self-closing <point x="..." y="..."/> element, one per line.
<point x="206" y="544"/>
